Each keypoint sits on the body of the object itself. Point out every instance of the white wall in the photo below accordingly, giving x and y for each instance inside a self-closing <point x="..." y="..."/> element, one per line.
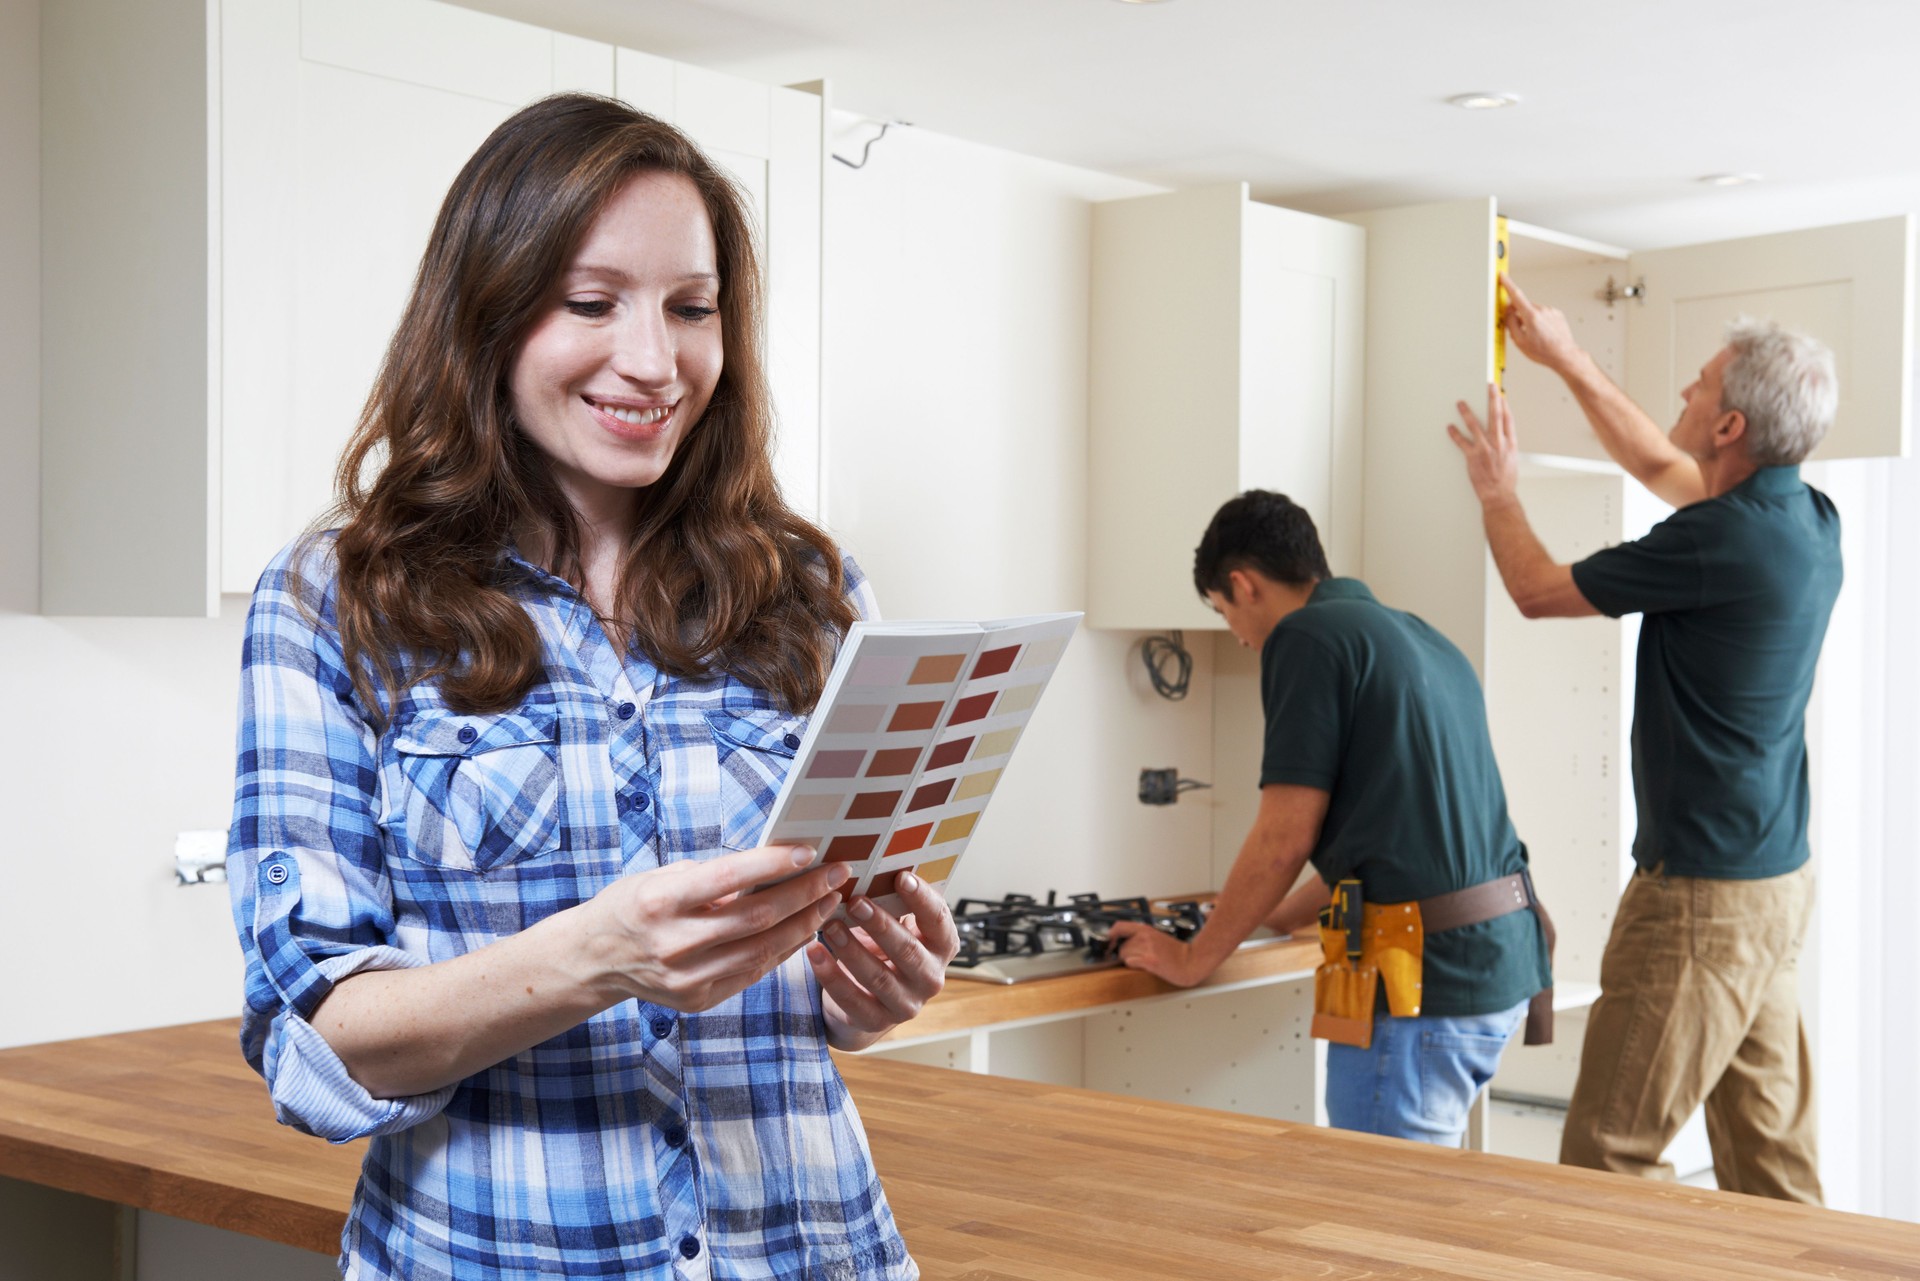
<point x="120" y="731"/>
<point x="956" y="410"/>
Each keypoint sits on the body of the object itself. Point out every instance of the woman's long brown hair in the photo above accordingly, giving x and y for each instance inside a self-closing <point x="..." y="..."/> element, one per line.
<point x="718" y="573"/>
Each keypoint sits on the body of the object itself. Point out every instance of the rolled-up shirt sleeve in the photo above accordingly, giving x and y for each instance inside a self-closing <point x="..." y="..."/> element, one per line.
<point x="306" y="870"/>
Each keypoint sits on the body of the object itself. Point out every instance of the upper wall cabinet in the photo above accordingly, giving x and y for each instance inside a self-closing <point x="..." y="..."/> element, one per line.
<point x="1226" y="355"/>
<point x="1651" y="320"/>
<point x="772" y="141"/>
<point x="236" y="199"/>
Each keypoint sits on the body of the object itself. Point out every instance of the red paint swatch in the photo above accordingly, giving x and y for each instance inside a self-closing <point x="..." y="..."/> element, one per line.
<point x="873" y="805"/>
<point x="883" y="883"/>
<point x="850" y="849"/>
<point x="971" y="709"/>
<point x="949" y="753"/>
<point x="913" y="716"/>
<point x="908" y="838"/>
<point x="893" y="762"/>
<point x="931" y="794"/>
<point x="995" y="661"/>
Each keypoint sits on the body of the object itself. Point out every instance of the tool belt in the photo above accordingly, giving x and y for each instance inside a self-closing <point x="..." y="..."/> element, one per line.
<point x="1366" y="943"/>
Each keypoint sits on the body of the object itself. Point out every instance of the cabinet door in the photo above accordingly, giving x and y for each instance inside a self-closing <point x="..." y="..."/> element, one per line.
<point x="1850" y="286"/>
<point x="768" y="139"/>
<point x="1225" y="355"/>
<point x="342" y="124"/>
<point x="1429" y="344"/>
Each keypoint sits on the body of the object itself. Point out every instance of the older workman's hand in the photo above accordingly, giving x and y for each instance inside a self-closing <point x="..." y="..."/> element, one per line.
<point x="882" y="972"/>
<point x="1491" y="449"/>
<point x="1541" y="333"/>
<point x="1142" y="947"/>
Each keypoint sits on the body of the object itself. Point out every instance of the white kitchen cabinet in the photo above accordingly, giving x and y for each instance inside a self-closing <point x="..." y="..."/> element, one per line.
<point x="772" y="141"/>
<point x="1225" y="355"/>
<point x="236" y="198"/>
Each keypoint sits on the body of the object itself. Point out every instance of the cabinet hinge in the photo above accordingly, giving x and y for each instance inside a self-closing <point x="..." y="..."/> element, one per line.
<point x="1613" y="293"/>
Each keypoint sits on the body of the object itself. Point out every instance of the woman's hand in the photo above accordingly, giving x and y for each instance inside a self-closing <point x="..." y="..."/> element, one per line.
<point x="878" y="975"/>
<point x="689" y="935"/>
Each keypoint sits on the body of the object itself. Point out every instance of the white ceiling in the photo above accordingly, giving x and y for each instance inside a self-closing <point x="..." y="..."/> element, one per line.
<point x="1338" y="105"/>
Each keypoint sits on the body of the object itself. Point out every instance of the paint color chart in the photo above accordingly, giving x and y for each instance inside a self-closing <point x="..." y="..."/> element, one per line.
<point x="911" y="737"/>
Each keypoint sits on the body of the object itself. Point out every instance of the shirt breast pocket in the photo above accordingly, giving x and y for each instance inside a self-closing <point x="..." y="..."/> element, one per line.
<point x="476" y="793"/>
<point x="755" y="747"/>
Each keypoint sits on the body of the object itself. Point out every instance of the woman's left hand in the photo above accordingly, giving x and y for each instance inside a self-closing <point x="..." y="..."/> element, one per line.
<point x="878" y="975"/>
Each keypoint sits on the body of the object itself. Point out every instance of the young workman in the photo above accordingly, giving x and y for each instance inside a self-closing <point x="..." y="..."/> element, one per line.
<point x="1699" y="984"/>
<point x="1377" y="768"/>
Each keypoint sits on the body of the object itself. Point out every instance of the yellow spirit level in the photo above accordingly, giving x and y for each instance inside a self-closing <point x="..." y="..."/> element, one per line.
<point x="1500" y="243"/>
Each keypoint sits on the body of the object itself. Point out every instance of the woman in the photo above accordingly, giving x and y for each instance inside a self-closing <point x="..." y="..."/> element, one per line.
<point x="507" y="740"/>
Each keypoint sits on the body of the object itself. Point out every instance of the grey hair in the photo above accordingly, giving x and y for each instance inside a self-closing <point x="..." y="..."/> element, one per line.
<point x="1784" y="383"/>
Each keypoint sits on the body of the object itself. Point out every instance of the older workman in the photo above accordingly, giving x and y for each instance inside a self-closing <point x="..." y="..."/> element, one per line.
<point x="1699" y="984"/>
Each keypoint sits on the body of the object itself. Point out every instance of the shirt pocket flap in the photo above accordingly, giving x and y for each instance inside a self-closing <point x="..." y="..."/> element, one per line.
<point x="450" y="734"/>
<point x="760" y="730"/>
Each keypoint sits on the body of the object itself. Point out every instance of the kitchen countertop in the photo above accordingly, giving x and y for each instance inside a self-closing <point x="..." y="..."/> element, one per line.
<point x="965" y="1005"/>
<point x="990" y="1179"/>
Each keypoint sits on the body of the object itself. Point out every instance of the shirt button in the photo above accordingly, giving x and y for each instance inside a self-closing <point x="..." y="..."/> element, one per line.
<point x="662" y="1026"/>
<point x="624" y="711"/>
<point x="638" y="801"/>
<point x="675" y="1135"/>
<point x="277" y="873"/>
<point x="792" y="740"/>
<point x="468" y="733"/>
<point x="689" y="1247"/>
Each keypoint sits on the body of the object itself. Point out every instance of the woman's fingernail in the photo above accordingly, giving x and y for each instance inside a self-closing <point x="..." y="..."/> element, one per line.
<point x="837" y="874"/>
<point x="862" y="909"/>
<point x="802" y="855"/>
<point x="908" y="882"/>
<point x="837" y="934"/>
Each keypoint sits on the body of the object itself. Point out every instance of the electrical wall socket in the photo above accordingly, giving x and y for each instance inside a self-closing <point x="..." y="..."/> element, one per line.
<point x="1159" y="786"/>
<point x="200" y="857"/>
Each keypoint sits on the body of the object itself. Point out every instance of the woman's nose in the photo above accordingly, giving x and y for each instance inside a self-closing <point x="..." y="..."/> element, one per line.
<point x="644" y="350"/>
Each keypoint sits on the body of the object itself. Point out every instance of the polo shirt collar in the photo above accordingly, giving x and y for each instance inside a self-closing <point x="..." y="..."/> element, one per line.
<point x="1773" y="481"/>
<point x="1339" y="589"/>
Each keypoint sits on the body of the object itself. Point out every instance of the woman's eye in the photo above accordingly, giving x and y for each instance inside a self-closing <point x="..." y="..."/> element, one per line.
<point x="696" y="313"/>
<point x="588" y="306"/>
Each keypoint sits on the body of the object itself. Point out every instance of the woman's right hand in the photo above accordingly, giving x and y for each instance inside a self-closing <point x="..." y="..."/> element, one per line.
<point x="689" y="935"/>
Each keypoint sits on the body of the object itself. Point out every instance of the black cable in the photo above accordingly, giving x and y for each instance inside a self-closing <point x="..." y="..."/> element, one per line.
<point x="1161" y="653"/>
<point x="885" y="125"/>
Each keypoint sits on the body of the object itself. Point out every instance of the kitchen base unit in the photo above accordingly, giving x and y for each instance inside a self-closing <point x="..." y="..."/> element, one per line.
<point x="987" y="1177"/>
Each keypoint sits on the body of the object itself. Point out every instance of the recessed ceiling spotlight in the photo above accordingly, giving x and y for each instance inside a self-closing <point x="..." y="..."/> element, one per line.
<point x="1483" y="101"/>
<point x="1728" y="179"/>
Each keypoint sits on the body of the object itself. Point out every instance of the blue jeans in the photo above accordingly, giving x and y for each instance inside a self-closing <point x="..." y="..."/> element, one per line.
<point x="1420" y="1076"/>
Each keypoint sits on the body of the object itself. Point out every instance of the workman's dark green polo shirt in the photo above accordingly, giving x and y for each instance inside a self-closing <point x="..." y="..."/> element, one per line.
<point x="1376" y="708"/>
<point x="1736" y="591"/>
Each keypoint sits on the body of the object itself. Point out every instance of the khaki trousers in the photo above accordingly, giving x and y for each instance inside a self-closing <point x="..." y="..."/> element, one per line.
<point x="1699" y="1003"/>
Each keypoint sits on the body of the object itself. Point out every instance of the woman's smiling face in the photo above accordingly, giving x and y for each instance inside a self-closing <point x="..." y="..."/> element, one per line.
<point x="622" y="360"/>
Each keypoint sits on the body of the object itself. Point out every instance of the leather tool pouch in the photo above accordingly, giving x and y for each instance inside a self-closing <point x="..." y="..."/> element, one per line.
<point x="1362" y="945"/>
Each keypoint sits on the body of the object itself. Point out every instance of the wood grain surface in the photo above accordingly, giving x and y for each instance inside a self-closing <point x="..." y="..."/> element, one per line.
<point x="990" y="1179"/>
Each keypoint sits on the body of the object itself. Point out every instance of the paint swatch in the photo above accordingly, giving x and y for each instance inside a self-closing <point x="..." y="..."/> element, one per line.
<point x="913" y="733"/>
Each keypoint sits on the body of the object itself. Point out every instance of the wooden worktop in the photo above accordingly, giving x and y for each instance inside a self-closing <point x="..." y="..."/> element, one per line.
<point x="990" y="1179"/>
<point x="966" y="1004"/>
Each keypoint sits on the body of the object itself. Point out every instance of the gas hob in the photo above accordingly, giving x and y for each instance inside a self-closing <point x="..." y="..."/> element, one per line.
<point x="1020" y="938"/>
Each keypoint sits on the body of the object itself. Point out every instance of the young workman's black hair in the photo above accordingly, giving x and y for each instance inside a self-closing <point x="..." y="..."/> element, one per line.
<point x="1259" y="530"/>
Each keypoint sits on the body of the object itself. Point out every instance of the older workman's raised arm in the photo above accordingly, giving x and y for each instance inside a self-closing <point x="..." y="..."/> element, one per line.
<point x="1632" y="438"/>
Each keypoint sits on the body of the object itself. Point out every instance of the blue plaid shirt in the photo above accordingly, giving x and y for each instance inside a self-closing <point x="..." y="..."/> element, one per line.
<point x="644" y="1142"/>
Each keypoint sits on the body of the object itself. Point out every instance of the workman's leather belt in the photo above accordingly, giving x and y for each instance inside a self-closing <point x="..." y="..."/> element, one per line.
<point x="1488" y="901"/>
<point x="1364" y="943"/>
